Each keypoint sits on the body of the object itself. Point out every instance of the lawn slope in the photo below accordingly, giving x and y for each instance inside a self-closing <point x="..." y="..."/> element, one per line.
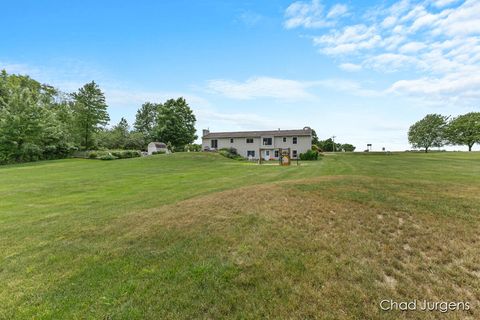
<point x="199" y="236"/>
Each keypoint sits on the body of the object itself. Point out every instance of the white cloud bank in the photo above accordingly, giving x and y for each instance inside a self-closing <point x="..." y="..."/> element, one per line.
<point x="438" y="42"/>
<point x="261" y="87"/>
<point x="312" y="14"/>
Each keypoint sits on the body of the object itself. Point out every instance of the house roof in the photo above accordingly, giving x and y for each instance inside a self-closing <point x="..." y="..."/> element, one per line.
<point x="256" y="134"/>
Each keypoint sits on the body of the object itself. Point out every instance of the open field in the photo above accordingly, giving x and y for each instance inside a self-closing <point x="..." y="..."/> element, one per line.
<point x="195" y="235"/>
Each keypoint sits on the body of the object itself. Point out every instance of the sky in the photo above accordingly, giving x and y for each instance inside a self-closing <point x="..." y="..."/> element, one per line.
<point x="362" y="71"/>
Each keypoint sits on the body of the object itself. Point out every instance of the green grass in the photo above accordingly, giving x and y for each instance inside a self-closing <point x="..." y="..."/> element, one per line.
<point x="196" y="235"/>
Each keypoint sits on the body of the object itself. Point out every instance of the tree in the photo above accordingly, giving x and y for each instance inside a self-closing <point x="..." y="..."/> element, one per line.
<point x="175" y="123"/>
<point x="328" y="145"/>
<point x="135" y="141"/>
<point x="90" y="111"/>
<point x="428" y="132"/>
<point x="464" y="130"/>
<point x="315" y="140"/>
<point x="146" y="120"/>
<point x="120" y="133"/>
<point x="347" y="147"/>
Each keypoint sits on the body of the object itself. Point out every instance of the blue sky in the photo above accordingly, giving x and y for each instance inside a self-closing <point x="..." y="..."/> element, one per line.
<point x="363" y="71"/>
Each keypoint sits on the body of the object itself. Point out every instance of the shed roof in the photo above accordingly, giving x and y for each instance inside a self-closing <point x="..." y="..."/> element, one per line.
<point x="160" y="145"/>
<point x="256" y="134"/>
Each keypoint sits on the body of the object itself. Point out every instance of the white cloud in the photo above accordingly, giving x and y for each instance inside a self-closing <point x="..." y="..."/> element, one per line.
<point x="337" y="10"/>
<point x="350" y="39"/>
<point x="19" y="68"/>
<point x="389" y="22"/>
<point x="443" y="3"/>
<point x="350" y="67"/>
<point x="261" y="87"/>
<point x="436" y="40"/>
<point x="236" y="121"/>
<point x="412" y="47"/>
<point x="122" y="97"/>
<point x="306" y="14"/>
<point x="312" y="14"/>
<point x="347" y="86"/>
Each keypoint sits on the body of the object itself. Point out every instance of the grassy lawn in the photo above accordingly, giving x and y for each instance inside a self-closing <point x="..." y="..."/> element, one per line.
<point x="195" y="235"/>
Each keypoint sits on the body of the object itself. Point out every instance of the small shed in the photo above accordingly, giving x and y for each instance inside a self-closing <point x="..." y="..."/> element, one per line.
<point x="157" y="147"/>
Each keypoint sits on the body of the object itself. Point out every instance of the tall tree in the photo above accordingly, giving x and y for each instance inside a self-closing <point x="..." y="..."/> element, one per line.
<point x="120" y="133"/>
<point x="20" y="125"/>
<point x="315" y="140"/>
<point x="176" y="123"/>
<point x="90" y="111"/>
<point x="146" y="120"/>
<point x="428" y="132"/>
<point x="347" y="147"/>
<point x="329" y="145"/>
<point x="465" y="130"/>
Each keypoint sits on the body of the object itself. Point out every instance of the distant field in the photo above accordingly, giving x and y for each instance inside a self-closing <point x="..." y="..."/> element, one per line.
<point x="196" y="235"/>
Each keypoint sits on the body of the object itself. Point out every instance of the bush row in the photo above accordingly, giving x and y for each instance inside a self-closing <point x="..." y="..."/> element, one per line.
<point x="113" y="155"/>
<point x="230" y="153"/>
<point x="309" y="155"/>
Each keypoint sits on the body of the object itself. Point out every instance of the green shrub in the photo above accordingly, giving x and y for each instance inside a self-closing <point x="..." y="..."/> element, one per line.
<point x="309" y="155"/>
<point x="92" y="155"/>
<point x="230" y="153"/>
<point x="159" y="152"/>
<point x="108" y="157"/>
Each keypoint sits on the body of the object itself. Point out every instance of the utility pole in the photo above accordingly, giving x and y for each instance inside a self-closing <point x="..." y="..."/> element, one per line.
<point x="333" y="139"/>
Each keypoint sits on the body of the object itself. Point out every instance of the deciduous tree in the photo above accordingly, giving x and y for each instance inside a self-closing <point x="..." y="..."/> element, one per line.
<point x="465" y="130"/>
<point x="175" y="123"/>
<point x="90" y="111"/>
<point x="428" y="132"/>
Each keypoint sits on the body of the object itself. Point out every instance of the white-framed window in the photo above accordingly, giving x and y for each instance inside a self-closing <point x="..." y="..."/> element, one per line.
<point x="250" y="153"/>
<point x="214" y="144"/>
<point x="276" y="153"/>
<point x="267" y="141"/>
<point x="294" y="154"/>
<point x="249" y="140"/>
<point x="231" y="140"/>
<point x="294" y="140"/>
<point x="284" y="139"/>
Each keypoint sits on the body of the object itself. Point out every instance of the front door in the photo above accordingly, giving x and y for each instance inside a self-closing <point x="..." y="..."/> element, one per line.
<point x="267" y="155"/>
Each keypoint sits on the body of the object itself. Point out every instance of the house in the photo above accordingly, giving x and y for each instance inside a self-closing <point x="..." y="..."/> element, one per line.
<point x="157" y="147"/>
<point x="265" y="144"/>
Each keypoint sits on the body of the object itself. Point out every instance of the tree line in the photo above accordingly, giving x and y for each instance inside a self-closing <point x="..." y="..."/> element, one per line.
<point x="38" y="121"/>
<point x="329" y="145"/>
<point x="435" y="130"/>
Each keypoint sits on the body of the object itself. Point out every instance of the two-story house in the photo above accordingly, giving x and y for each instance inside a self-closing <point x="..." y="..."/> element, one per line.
<point x="265" y="144"/>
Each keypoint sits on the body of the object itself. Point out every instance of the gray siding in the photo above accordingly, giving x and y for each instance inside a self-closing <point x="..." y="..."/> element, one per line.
<point x="304" y="143"/>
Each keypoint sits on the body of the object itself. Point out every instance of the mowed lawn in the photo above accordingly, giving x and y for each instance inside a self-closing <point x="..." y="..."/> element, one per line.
<point x="195" y="235"/>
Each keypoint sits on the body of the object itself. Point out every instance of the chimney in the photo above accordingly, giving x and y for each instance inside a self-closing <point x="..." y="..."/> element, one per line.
<point x="205" y="132"/>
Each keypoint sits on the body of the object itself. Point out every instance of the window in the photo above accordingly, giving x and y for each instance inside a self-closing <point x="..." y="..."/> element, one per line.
<point x="294" y="140"/>
<point x="294" y="154"/>
<point x="284" y="139"/>
<point x="250" y="140"/>
<point x="276" y="153"/>
<point x="250" y="153"/>
<point x="214" y="144"/>
<point x="267" y="141"/>
<point x="231" y="140"/>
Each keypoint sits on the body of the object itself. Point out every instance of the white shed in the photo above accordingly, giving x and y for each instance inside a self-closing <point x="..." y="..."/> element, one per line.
<point x="157" y="147"/>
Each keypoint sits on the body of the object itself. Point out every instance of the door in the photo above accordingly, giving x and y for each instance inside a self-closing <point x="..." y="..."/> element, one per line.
<point x="267" y="155"/>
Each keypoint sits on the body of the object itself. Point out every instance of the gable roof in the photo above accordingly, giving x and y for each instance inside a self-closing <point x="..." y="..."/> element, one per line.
<point x="307" y="131"/>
